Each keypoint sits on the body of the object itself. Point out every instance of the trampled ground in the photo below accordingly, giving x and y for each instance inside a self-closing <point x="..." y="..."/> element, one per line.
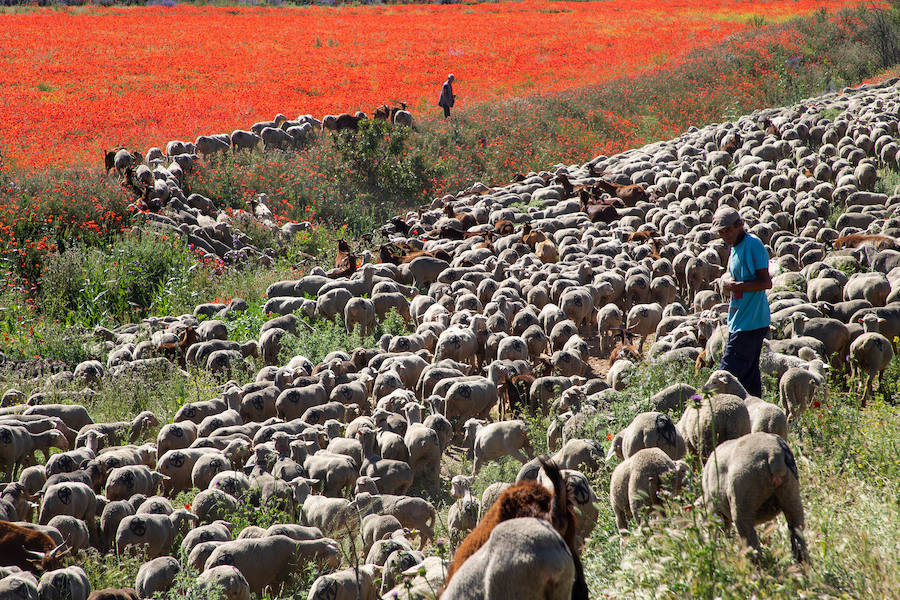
<point x="78" y="80"/>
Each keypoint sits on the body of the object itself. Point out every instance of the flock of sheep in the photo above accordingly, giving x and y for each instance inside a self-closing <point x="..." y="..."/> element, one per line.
<point x="156" y="181"/>
<point x="509" y="302"/>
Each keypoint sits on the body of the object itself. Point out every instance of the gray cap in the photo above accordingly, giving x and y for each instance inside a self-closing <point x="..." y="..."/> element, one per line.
<point x="726" y="216"/>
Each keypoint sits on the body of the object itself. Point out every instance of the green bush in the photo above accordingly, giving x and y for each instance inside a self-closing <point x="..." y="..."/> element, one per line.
<point x="376" y="171"/>
<point x="120" y="283"/>
<point x="327" y="336"/>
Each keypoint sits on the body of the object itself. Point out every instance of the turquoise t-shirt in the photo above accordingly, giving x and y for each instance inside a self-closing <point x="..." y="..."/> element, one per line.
<point x="751" y="311"/>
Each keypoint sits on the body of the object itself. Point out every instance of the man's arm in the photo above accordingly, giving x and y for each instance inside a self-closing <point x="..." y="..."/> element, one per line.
<point x="762" y="282"/>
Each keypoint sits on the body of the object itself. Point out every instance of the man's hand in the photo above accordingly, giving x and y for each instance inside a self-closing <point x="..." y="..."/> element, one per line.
<point x="730" y="286"/>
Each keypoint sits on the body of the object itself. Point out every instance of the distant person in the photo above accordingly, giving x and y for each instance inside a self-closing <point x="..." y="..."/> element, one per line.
<point x="448" y="98"/>
<point x="747" y="280"/>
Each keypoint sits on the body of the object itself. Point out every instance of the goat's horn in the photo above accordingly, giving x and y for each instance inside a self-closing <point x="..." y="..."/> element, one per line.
<point x="57" y="549"/>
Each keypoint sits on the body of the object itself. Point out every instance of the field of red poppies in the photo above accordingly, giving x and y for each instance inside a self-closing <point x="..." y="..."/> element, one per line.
<point x="76" y="80"/>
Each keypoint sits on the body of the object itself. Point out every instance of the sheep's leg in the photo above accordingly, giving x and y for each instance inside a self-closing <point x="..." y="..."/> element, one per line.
<point x="425" y="534"/>
<point x="789" y="499"/>
<point x="746" y="531"/>
<point x="641" y="345"/>
<point x="621" y="518"/>
<point x="866" y="388"/>
<point x="519" y="456"/>
<point x="787" y="405"/>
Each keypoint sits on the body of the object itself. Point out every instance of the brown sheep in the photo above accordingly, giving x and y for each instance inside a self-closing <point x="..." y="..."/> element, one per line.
<point x="529" y="499"/>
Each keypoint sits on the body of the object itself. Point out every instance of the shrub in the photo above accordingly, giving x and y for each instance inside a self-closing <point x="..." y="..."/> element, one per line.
<point x="328" y="336"/>
<point x="122" y="283"/>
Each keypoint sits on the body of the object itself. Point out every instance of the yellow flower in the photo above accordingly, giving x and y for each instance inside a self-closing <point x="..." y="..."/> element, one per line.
<point x="896" y="339"/>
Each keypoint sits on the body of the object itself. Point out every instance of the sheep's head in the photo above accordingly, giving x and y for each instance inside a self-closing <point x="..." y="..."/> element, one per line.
<point x="723" y="382"/>
<point x="471" y="428"/>
<point x="459" y="485"/>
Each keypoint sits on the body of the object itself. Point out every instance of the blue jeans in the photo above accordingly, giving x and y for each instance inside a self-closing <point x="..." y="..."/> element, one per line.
<point x="741" y="358"/>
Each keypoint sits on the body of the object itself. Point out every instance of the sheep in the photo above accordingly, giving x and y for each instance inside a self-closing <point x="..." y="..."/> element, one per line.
<point x="424" y="446"/>
<point x="18" y="445"/>
<point x="175" y="436"/>
<point x="648" y="430"/>
<point x="244" y="140"/>
<point x="112" y="515"/>
<point x="124" y="482"/>
<point x="419" y="580"/>
<point x="74" y="532"/>
<point x="207" y="145"/>
<point x="136" y="427"/>
<point x="722" y="415"/>
<point x="642" y="320"/>
<point x="495" y="440"/>
<point x="359" y="311"/>
<point x="377" y="527"/>
<point x="157" y="532"/>
<point x="219" y="531"/>
<point x="349" y="584"/>
<point x="228" y="580"/>
<point x="870" y="353"/>
<point x="70" y="583"/>
<point x="156" y="576"/>
<point x="798" y="386"/>
<point x="636" y="482"/>
<point x="749" y="480"/>
<point x="463" y="514"/>
<point x="522" y="558"/>
<point x="404" y="118"/>
<point x="269" y="560"/>
<point x="70" y="499"/>
<point x="673" y="397"/>
<point x="414" y="513"/>
<point x="763" y="415"/>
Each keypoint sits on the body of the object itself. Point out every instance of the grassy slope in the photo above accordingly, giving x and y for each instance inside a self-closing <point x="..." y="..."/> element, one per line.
<point x="848" y="459"/>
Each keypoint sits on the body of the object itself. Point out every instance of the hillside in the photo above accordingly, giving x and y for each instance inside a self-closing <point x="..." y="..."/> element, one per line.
<point x="201" y="310"/>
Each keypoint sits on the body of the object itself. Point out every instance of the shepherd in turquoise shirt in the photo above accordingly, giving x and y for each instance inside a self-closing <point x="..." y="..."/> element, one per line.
<point x="748" y="313"/>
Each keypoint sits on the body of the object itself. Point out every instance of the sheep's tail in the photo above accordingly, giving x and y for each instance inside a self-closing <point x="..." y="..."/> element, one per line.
<point x="778" y="464"/>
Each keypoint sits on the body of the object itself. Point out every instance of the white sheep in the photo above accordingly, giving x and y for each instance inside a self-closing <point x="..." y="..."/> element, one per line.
<point x="463" y="514"/>
<point x="764" y="416"/>
<point x="798" y="386"/>
<point x="870" y="353"/>
<point x="495" y="440"/>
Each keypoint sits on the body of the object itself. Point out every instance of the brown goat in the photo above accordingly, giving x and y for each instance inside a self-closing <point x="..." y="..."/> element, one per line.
<point x="178" y="350"/>
<point x="28" y="549"/>
<point x="597" y="213"/>
<point x="467" y="219"/>
<point x="503" y="227"/>
<point x="629" y="194"/>
<point x="352" y="262"/>
<point x="855" y="240"/>
<point x="528" y="499"/>
<point x="342" y="258"/>
<point x="642" y="236"/>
